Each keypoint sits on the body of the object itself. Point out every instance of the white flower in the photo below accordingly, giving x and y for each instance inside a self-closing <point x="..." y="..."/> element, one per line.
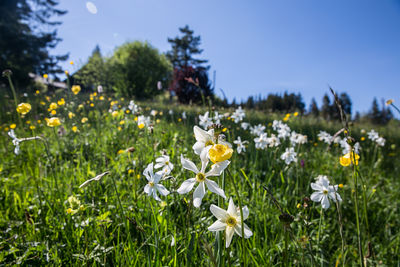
<point x="217" y="117"/>
<point x="184" y="115"/>
<point x="373" y="135"/>
<point x="205" y="121"/>
<point x="230" y="221"/>
<point x="15" y="141"/>
<point x="245" y="125"/>
<point x="142" y="120"/>
<point x="380" y="141"/>
<point x="324" y="192"/>
<point x="171" y="112"/>
<point x="261" y="141"/>
<point x="159" y="85"/>
<point x="153" y="186"/>
<point x="289" y="155"/>
<point x="97" y="178"/>
<point x="238" y="115"/>
<point x="201" y="178"/>
<point x="257" y="130"/>
<point x="164" y="163"/>
<point x="204" y="139"/>
<point x="100" y="89"/>
<point x="273" y="141"/>
<point x="240" y="145"/>
<point x="325" y="137"/>
<point x="133" y="107"/>
<point x="153" y="112"/>
<point x="296" y="138"/>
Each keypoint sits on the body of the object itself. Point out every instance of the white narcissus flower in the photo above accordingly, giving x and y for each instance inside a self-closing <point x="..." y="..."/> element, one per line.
<point x="164" y="163"/>
<point x="230" y="221"/>
<point x="205" y="139"/>
<point x="238" y="115"/>
<point x="240" y="145"/>
<point x="153" y="186"/>
<point x="201" y="178"/>
<point x="15" y="141"/>
<point x="97" y="178"/>
<point x="289" y="155"/>
<point x="324" y="191"/>
<point x="205" y="121"/>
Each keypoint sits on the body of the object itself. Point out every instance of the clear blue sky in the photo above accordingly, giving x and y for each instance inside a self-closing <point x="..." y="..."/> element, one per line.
<point x="258" y="46"/>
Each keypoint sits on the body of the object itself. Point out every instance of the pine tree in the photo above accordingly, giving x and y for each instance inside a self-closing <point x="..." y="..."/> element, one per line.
<point x="314" y="108"/>
<point x="326" y="108"/>
<point x="24" y="44"/>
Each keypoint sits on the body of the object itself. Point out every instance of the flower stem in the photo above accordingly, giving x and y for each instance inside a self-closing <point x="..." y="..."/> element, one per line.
<point x="355" y="175"/>
<point x="241" y="218"/>
<point x="155" y="233"/>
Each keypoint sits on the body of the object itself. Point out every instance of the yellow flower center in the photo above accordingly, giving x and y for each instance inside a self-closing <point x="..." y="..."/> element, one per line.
<point x="200" y="177"/>
<point x="325" y="192"/>
<point x="231" y="221"/>
<point x="209" y="143"/>
<point x="167" y="163"/>
<point x="151" y="184"/>
<point x="219" y="153"/>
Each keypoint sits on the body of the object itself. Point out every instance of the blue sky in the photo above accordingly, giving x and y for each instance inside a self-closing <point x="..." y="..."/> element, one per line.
<point x="258" y="46"/>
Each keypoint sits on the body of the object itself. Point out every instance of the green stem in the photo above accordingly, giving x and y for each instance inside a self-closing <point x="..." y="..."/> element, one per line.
<point x="360" y="252"/>
<point x="241" y="218"/>
<point x="15" y="97"/>
<point x="155" y="233"/>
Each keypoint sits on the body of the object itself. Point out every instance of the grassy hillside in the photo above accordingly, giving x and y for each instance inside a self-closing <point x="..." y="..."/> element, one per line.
<point x="48" y="220"/>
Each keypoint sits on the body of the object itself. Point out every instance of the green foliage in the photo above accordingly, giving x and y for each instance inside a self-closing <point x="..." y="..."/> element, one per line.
<point x="116" y="225"/>
<point x="23" y="44"/>
<point x="94" y="73"/>
<point x="135" y="68"/>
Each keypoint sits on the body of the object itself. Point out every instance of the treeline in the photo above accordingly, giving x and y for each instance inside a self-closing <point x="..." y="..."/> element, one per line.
<point x="290" y="102"/>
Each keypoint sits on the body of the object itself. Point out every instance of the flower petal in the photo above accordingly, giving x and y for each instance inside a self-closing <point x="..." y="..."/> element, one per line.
<point x="247" y="231"/>
<point x="219" y="213"/>
<point x="147" y="189"/>
<point x="217" y="226"/>
<point x="198" y="194"/>
<point x="228" y="235"/>
<point x="188" y="165"/>
<point x="316" y="196"/>
<point x="186" y="186"/>
<point x="163" y="191"/>
<point x="213" y="187"/>
<point x="231" y="208"/>
<point x="218" y="168"/>
<point x="325" y="202"/>
<point x="316" y="186"/>
<point x="155" y="195"/>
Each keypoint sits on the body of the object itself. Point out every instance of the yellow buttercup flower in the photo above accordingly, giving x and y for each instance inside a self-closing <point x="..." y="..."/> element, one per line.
<point x="53" y="106"/>
<point x="37" y="92"/>
<point x="53" y="122"/>
<point x="71" y="62"/>
<point x="114" y="114"/>
<point x="71" y="115"/>
<point x="45" y="76"/>
<point x="61" y="102"/>
<point x="12" y="126"/>
<point x="389" y="102"/>
<point x="53" y="112"/>
<point x="76" y="89"/>
<point x="24" y="108"/>
<point x="74" y="129"/>
<point x="349" y="158"/>
<point x="101" y="97"/>
<point x="84" y="120"/>
<point x="296" y="114"/>
<point x="141" y="126"/>
<point x="219" y="153"/>
<point x="66" y="72"/>
<point x="32" y="127"/>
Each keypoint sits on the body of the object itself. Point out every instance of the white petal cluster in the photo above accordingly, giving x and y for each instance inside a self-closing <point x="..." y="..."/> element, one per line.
<point x="153" y="186"/>
<point x="240" y="145"/>
<point x="15" y="141"/>
<point x="238" y="115"/>
<point x="325" y="137"/>
<point x="204" y="139"/>
<point x="324" y="192"/>
<point x="289" y="155"/>
<point x="165" y="164"/>
<point x="205" y="120"/>
<point x="230" y="221"/>
<point x="257" y="129"/>
<point x="374" y="136"/>
<point x="133" y="107"/>
<point x="201" y="177"/>
<point x="296" y="138"/>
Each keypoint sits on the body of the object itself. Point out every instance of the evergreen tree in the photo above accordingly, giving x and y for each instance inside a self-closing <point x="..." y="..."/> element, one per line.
<point x="184" y="48"/>
<point x="190" y="80"/>
<point x="24" y="43"/>
<point x="326" y="108"/>
<point x="94" y="72"/>
<point x="345" y="102"/>
<point x="314" y="108"/>
<point x="375" y="114"/>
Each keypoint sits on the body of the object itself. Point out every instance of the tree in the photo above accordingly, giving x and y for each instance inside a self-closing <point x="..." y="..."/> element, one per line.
<point x="326" y="109"/>
<point x="184" y="48"/>
<point x="135" y="69"/>
<point x="190" y="81"/>
<point x="345" y="102"/>
<point x="314" y="108"/>
<point x="378" y="116"/>
<point x="24" y="43"/>
<point x="94" y="72"/>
